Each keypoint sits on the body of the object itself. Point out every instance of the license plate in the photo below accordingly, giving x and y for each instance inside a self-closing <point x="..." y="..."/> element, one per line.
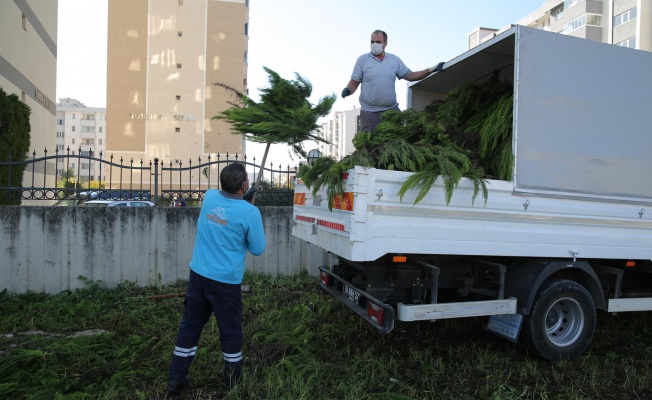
<point x="352" y="293"/>
<point x="506" y="325"/>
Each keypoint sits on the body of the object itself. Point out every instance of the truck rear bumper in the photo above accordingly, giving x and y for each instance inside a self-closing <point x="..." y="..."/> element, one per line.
<point x="374" y="311"/>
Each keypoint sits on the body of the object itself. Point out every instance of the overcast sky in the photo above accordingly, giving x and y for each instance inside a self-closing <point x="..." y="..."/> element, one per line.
<point x="320" y="40"/>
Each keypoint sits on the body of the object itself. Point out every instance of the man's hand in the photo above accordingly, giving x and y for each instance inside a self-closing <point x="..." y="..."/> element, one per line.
<point x="346" y="92"/>
<point x="437" y="68"/>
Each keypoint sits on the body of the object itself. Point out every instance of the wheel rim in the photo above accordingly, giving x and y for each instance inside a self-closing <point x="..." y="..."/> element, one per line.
<point x="564" y="321"/>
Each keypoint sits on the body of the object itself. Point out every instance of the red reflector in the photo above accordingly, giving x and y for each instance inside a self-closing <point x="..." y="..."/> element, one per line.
<point x="399" y="259"/>
<point x="630" y="264"/>
<point x="376" y="313"/>
<point x="325" y="278"/>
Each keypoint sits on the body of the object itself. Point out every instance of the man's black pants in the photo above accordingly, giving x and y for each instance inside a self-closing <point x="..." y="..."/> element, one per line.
<point x="205" y="297"/>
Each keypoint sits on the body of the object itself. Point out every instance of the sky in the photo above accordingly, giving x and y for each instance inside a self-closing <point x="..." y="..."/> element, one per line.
<point x="319" y="40"/>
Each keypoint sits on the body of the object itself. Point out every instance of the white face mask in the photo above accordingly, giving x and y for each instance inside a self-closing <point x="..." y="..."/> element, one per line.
<point x="376" y="48"/>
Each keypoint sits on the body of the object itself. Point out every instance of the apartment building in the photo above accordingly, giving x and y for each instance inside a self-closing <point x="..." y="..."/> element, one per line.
<point x="339" y="130"/>
<point x="164" y="59"/>
<point x="81" y="130"/>
<point x="28" y="69"/>
<point x="625" y="23"/>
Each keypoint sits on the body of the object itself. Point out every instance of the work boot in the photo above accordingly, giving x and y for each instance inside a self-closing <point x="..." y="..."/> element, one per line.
<point x="176" y="387"/>
<point x="232" y="374"/>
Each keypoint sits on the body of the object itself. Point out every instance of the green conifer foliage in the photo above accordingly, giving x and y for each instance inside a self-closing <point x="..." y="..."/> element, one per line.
<point x="468" y="134"/>
<point x="283" y="114"/>
<point x="14" y="142"/>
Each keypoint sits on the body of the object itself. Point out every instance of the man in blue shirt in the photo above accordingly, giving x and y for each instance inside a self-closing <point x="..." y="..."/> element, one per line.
<point x="227" y="228"/>
<point x="378" y="71"/>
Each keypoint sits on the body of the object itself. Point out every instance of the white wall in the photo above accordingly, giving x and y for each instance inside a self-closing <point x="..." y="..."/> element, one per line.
<point x="47" y="249"/>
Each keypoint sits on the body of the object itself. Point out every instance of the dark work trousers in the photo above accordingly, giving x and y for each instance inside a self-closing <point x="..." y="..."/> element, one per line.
<point x="369" y="119"/>
<point x="205" y="297"/>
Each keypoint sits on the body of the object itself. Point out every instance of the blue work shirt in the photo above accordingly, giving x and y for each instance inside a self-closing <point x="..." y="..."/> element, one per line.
<point x="378" y="79"/>
<point x="227" y="227"/>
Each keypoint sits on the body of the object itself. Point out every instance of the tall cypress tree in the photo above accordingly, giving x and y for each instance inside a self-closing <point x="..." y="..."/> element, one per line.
<point x="14" y="143"/>
<point x="283" y="114"/>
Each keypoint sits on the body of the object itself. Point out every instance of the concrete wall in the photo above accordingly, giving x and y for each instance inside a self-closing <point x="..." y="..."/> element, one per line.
<point x="47" y="249"/>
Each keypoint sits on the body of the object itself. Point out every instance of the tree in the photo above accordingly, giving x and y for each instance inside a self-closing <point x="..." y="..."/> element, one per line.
<point x="14" y="142"/>
<point x="283" y="115"/>
<point x="68" y="179"/>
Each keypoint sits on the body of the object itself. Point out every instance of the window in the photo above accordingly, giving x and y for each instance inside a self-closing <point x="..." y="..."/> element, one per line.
<point x="88" y="117"/>
<point x="73" y="139"/>
<point x="86" y="153"/>
<point x="625" y="17"/>
<point x="178" y="65"/>
<point x="570" y="3"/>
<point x="59" y="147"/>
<point x="558" y="13"/>
<point x="593" y="20"/>
<point x="631" y="43"/>
<point x="100" y="129"/>
<point x="73" y="116"/>
<point x="178" y="97"/>
<point x="100" y="140"/>
<point x="24" y="22"/>
<point x="180" y="2"/>
<point x="88" y="129"/>
<point x="177" y="129"/>
<point x="85" y="165"/>
<point x="60" y="134"/>
<point x="60" y="122"/>
<point x="73" y="129"/>
<point x="88" y="141"/>
<point x="245" y="56"/>
<point x="179" y="33"/>
<point x="246" y="28"/>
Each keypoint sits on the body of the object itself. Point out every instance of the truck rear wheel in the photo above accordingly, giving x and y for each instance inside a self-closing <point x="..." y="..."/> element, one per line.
<point x="562" y="320"/>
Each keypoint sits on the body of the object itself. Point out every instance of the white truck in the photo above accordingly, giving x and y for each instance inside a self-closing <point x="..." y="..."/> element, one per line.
<point x="569" y="235"/>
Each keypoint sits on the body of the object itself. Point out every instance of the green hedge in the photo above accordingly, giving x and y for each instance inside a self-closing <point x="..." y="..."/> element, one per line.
<point x="14" y="142"/>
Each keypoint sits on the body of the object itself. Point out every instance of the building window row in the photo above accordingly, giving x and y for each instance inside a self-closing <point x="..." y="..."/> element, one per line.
<point x="88" y="141"/>
<point x="625" y="17"/>
<point x="88" y="117"/>
<point x="60" y="134"/>
<point x="88" y="129"/>
<point x="583" y="20"/>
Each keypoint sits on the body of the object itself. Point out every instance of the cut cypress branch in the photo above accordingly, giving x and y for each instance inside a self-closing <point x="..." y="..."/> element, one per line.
<point x="468" y="134"/>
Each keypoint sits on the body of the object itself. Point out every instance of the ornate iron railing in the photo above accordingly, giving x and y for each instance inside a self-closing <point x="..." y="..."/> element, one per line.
<point x="119" y="179"/>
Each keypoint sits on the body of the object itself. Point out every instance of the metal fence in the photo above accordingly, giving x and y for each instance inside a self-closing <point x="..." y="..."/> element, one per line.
<point x="152" y="181"/>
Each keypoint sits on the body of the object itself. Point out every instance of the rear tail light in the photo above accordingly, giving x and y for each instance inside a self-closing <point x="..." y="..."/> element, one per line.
<point x="325" y="279"/>
<point x="376" y="313"/>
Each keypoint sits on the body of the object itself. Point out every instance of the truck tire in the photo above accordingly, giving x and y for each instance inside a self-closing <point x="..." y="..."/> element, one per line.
<point x="562" y="320"/>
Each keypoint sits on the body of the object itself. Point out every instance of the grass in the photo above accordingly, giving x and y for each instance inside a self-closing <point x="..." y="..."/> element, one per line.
<point x="299" y="344"/>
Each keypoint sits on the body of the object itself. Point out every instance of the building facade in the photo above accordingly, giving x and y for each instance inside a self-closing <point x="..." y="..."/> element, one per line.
<point x="164" y="59"/>
<point x="81" y="130"/>
<point x="339" y="131"/>
<point x="625" y="23"/>
<point x="28" y="69"/>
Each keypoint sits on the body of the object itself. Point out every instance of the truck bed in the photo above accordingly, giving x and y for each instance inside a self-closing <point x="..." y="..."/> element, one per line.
<point x="371" y="221"/>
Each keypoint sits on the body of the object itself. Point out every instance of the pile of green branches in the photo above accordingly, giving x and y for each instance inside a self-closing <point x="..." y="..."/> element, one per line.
<point x="468" y="134"/>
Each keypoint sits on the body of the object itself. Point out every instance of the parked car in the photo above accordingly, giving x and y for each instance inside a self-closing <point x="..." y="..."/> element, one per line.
<point x="118" y="203"/>
<point x="113" y="195"/>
